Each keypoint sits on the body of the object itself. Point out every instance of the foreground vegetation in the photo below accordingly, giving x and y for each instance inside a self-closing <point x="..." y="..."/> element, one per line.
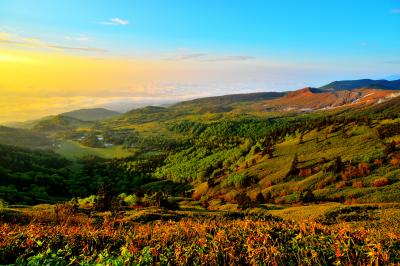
<point x="59" y="236"/>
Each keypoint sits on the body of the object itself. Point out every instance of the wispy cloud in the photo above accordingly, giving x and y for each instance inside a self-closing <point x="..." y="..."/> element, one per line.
<point x="395" y="11"/>
<point x="205" y="57"/>
<point x="231" y="58"/>
<point x="187" y="56"/>
<point x="16" y="40"/>
<point x="116" y="21"/>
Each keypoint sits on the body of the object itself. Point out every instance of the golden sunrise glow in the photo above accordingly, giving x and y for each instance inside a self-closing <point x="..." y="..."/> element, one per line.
<point x="37" y="83"/>
<point x="12" y="58"/>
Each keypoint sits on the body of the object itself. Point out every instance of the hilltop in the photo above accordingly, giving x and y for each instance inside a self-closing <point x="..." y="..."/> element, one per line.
<point x="93" y="114"/>
<point x="363" y="84"/>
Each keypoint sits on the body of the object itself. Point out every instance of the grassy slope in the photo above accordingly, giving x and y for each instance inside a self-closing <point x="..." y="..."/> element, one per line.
<point x="363" y="146"/>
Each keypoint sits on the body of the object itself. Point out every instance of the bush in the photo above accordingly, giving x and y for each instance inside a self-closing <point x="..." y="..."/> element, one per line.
<point x="378" y="163"/>
<point x="389" y="148"/>
<point x="395" y="160"/>
<point x="243" y="201"/>
<point x="129" y="200"/>
<point x="3" y="204"/>
<point x="308" y="197"/>
<point x="236" y="179"/>
<point x="304" y="172"/>
<point x="381" y="182"/>
<point x="358" y="184"/>
<point x="363" y="169"/>
<point x="87" y="202"/>
<point x="340" y="185"/>
<point x="169" y="203"/>
<point x="268" y="183"/>
<point x="260" y="198"/>
<point x="352" y="172"/>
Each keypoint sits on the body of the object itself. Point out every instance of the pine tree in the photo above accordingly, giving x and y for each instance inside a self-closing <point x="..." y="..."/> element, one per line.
<point x="260" y="198"/>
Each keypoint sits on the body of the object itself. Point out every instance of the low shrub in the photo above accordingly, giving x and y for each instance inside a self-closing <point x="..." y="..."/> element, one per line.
<point x="357" y="184"/>
<point x="341" y="184"/>
<point x="380" y="182"/>
<point x="351" y="172"/>
<point x="304" y="172"/>
<point x="395" y="160"/>
<point x="378" y="163"/>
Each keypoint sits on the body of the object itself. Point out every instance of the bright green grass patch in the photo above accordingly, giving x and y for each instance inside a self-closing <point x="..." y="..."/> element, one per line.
<point x="73" y="150"/>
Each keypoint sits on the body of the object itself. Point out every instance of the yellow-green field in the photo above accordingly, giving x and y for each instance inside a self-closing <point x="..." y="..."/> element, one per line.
<point x="73" y="150"/>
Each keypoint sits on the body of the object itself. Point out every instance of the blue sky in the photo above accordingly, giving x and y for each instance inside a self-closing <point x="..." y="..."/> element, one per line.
<point x="302" y="28"/>
<point x="214" y="47"/>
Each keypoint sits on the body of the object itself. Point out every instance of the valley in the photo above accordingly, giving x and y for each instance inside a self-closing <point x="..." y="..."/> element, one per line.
<point x="304" y="163"/>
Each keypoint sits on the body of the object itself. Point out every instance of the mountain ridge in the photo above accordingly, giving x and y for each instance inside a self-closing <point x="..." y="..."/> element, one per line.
<point x="335" y="94"/>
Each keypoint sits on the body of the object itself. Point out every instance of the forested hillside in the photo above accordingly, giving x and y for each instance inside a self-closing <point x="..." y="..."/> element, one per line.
<point x="348" y="154"/>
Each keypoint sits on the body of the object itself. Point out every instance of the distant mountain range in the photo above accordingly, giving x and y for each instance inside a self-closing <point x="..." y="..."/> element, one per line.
<point x="346" y="93"/>
<point x="382" y="84"/>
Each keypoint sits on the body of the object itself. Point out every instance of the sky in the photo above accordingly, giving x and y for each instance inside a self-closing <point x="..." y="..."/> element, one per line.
<point x="57" y="56"/>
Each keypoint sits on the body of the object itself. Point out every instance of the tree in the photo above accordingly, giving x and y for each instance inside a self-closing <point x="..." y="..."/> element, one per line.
<point x="269" y="150"/>
<point x="337" y="165"/>
<point x="104" y="198"/>
<point x="293" y="166"/>
<point x="301" y="140"/>
<point x="268" y="197"/>
<point x="243" y="201"/>
<point x="309" y="196"/>
<point x="389" y="148"/>
<point x="260" y="198"/>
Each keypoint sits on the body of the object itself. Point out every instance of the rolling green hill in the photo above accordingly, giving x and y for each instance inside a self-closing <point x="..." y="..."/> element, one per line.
<point x="225" y="103"/>
<point x="93" y="114"/>
<point x="24" y="138"/>
<point x="60" y="123"/>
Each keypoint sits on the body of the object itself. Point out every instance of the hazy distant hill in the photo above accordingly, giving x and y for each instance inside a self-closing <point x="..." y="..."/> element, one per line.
<point x="363" y="83"/>
<point x="335" y="94"/>
<point x="93" y="114"/>
<point x="23" y="138"/>
<point x="231" y="99"/>
<point x="60" y="122"/>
